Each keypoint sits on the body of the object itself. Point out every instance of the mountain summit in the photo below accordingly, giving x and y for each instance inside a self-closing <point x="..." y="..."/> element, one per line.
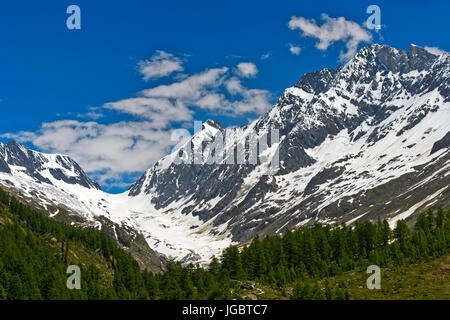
<point x="346" y="135"/>
<point x="366" y="141"/>
<point x="51" y="169"/>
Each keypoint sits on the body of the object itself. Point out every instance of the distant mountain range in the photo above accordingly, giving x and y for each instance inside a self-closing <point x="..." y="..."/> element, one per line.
<point x="366" y="141"/>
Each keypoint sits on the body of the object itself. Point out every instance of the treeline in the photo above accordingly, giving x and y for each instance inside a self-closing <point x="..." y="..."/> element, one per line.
<point x="31" y="269"/>
<point x="312" y="253"/>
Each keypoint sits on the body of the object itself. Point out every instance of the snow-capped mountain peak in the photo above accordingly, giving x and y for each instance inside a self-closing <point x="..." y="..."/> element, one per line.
<point x="51" y="169"/>
<point x="367" y="140"/>
<point x="384" y="110"/>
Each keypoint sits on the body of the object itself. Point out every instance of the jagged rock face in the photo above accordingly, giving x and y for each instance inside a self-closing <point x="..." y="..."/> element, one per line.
<point x="380" y="97"/>
<point x="444" y="143"/>
<point x="58" y="186"/>
<point x="43" y="166"/>
<point x="3" y="165"/>
<point x="316" y="82"/>
<point x="367" y="140"/>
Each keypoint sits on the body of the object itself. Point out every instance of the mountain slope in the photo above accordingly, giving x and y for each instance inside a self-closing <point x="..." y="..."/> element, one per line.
<point x="36" y="251"/>
<point x="367" y="140"/>
<point x="45" y="168"/>
<point x="351" y="140"/>
<point x="58" y="186"/>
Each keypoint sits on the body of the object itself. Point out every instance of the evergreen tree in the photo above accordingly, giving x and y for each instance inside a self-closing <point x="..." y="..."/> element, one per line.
<point x="231" y="263"/>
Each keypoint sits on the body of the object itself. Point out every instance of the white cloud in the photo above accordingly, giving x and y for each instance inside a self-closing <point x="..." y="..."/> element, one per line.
<point x="265" y="56"/>
<point x="161" y="64"/>
<point x="253" y="101"/>
<point x="246" y="101"/>
<point x="234" y="85"/>
<point x="189" y="88"/>
<point x="160" y="111"/>
<point x="94" y="113"/>
<point x="211" y="102"/>
<point x="111" y="149"/>
<point x="435" y="50"/>
<point x="332" y="30"/>
<point x="205" y="90"/>
<point x="294" y="49"/>
<point x="247" y="69"/>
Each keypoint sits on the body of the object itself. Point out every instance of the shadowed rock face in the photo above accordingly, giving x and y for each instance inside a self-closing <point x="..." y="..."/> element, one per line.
<point x="3" y="165"/>
<point x="321" y="104"/>
<point x="35" y="163"/>
<point x="317" y="81"/>
<point x="402" y="61"/>
<point x="444" y="143"/>
<point x="351" y="141"/>
<point x="66" y="170"/>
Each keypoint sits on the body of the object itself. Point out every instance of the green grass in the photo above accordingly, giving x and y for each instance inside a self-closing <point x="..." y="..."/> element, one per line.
<point x="421" y="281"/>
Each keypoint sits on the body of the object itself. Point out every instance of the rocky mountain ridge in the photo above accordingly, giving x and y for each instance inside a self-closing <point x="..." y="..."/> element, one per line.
<point x="366" y="141"/>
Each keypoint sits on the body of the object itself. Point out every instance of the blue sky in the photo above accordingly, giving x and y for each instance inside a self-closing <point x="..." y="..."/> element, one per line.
<point x="100" y="94"/>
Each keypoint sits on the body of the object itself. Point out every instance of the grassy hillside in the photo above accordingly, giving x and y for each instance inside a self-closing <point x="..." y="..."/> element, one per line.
<point x="425" y="281"/>
<point x="35" y="252"/>
<point x="319" y="262"/>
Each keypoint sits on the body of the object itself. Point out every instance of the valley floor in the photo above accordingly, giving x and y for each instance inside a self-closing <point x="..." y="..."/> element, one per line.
<point x="422" y="281"/>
